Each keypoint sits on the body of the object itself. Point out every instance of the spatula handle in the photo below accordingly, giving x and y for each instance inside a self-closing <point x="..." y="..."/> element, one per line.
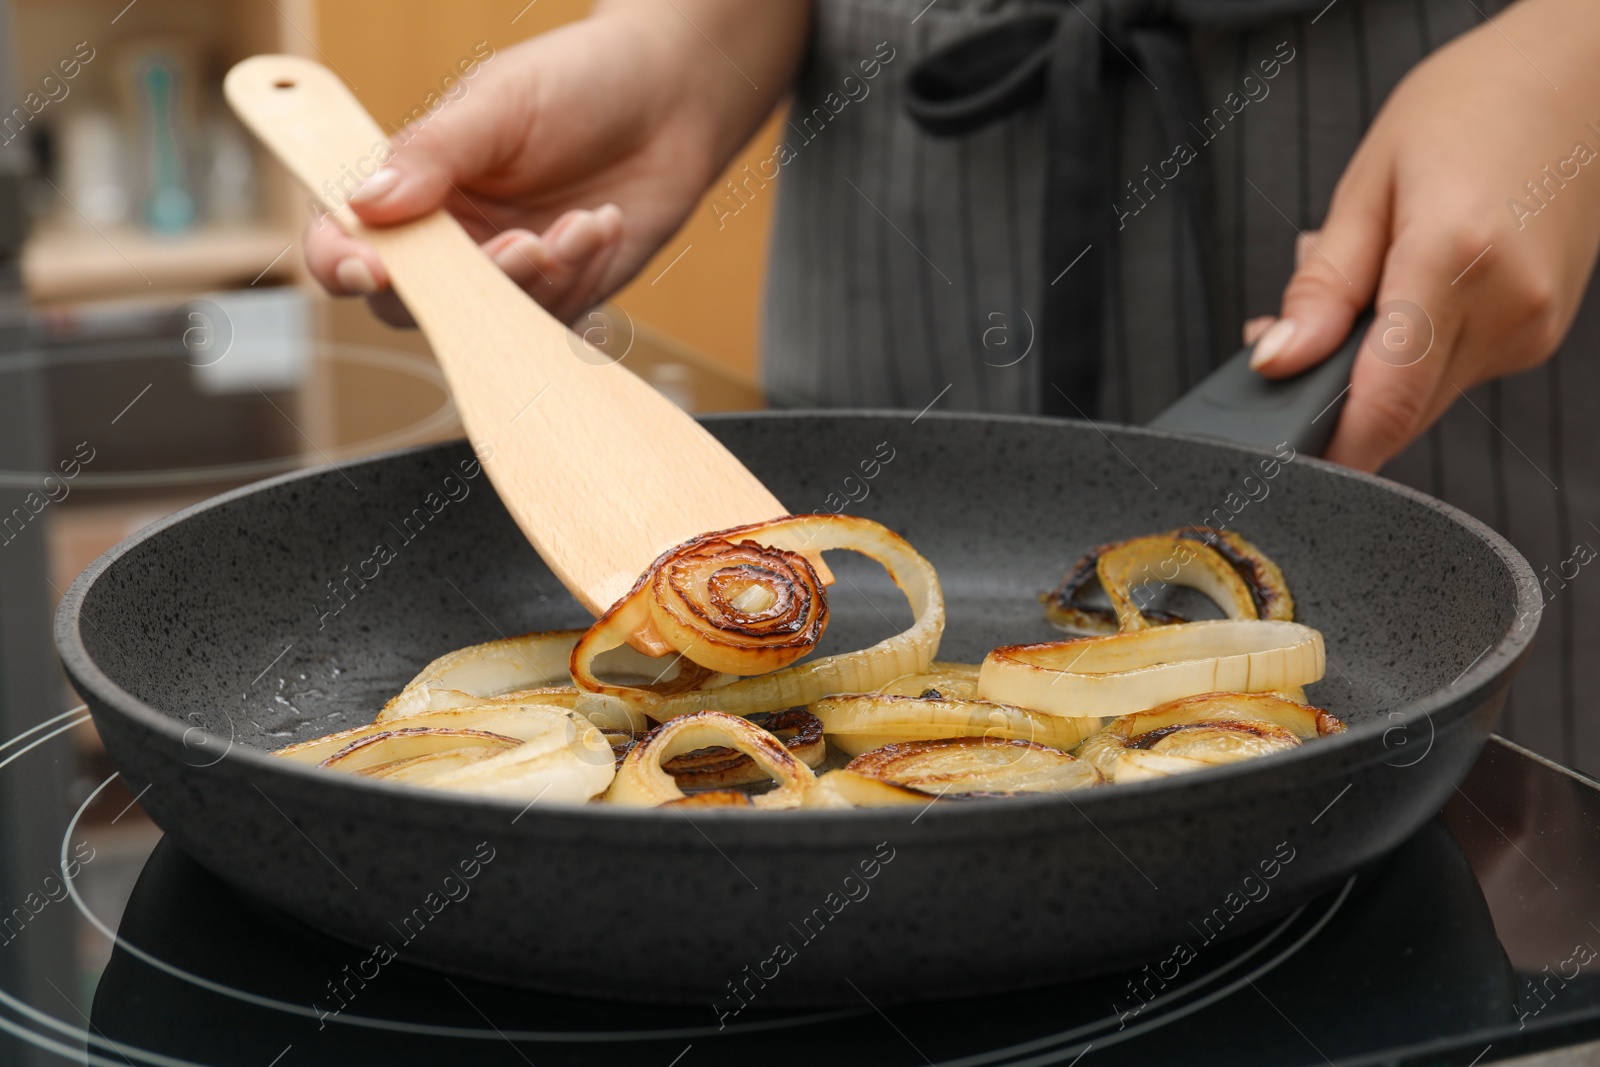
<point x="600" y="471"/>
<point x="319" y="130"/>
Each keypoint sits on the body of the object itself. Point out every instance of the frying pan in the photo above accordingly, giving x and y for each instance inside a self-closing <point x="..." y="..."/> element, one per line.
<point x="210" y="638"/>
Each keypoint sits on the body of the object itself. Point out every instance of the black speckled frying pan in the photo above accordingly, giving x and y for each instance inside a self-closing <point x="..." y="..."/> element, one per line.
<point x="207" y="640"/>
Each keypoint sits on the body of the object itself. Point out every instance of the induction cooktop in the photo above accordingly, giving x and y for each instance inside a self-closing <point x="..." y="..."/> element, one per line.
<point x="1474" y="942"/>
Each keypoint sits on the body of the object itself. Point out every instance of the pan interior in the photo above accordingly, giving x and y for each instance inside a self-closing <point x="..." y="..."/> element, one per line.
<point x="299" y="606"/>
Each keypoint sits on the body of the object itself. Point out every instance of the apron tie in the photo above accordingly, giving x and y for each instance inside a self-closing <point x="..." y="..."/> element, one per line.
<point x="1067" y="59"/>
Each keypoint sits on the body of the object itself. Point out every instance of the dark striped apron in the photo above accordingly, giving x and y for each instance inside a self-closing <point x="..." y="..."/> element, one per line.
<point x="911" y="265"/>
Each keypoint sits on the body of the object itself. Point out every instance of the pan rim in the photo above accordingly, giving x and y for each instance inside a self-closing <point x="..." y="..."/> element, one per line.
<point x="1501" y="659"/>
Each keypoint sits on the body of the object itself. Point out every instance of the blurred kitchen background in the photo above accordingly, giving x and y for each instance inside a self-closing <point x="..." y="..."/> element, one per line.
<point x="160" y="342"/>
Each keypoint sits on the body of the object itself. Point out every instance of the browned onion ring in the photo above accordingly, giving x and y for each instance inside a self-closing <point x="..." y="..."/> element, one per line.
<point x="738" y="607"/>
<point x="1252" y="584"/>
<point x="614" y="705"/>
<point x="720" y="765"/>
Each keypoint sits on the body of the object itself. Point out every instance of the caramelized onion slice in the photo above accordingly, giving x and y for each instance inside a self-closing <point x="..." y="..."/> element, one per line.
<point x="532" y="723"/>
<point x="707" y="768"/>
<point x="1265" y="578"/>
<point x="561" y="696"/>
<point x="554" y="696"/>
<point x="1301" y="719"/>
<point x="1140" y="766"/>
<point x="738" y="606"/>
<point x="486" y="670"/>
<point x="941" y="681"/>
<point x="642" y="782"/>
<point x="976" y="765"/>
<point x="531" y="751"/>
<point x="1234" y="573"/>
<point x="1201" y="731"/>
<point x="422" y="767"/>
<point x="409" y="743"/>
<point x="1068" y="606"/>
<point x="534" y="668"/>
<point x="862" y="722"/>
<point x="1128" y="672"/>
<point x="1178" y="561"/>
<point x="712" y="798"/>
<point x="851" y="789"/>
<point x="1197" y="746"/>
<point x="906" y="653"/>
<point x="574" y="773"/>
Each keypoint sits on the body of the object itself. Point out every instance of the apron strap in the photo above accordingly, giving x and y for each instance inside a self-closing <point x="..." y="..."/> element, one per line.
<point x="1068" y="58"/>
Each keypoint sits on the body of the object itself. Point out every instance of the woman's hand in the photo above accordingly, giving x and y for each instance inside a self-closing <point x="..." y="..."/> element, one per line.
<point x="574" y="155"/>
<point x="1425" y="220"/>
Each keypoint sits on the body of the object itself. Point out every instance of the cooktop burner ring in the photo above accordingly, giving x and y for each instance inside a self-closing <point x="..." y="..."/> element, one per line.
<point x="1280" y="942"/>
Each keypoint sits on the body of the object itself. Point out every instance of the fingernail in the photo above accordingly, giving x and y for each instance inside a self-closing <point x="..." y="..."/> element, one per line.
<point x="578" y="240"/>
<point x="1272" y="343"/>
<point x="380" y="185"/>
<point x="523" y="252"/>
<point x="354" y="276"/>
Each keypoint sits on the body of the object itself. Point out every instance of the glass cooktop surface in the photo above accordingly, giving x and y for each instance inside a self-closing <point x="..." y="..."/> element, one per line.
<point x="1474" y="942"/>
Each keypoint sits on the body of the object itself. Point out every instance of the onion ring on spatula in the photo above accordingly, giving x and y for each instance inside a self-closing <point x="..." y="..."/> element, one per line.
<point x="765" y="576"/>
<point x="1128" y="672"/>
<point x="642" y="782"/>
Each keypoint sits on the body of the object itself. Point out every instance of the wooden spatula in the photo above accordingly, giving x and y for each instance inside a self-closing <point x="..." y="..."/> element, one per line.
<point x="601" y="472"/>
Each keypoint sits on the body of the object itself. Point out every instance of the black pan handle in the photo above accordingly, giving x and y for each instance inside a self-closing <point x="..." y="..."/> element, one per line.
<point x="1237" y="404"/>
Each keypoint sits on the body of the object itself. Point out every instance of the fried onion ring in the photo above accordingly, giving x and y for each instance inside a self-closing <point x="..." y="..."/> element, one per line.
<point x="1203" y="731"/>
<point x="642" y="781"/>
<point x="906" y="653"/>
<point x="1141" y="669"/>
<point x="1234" y="573"/>
<point x="976" y="766"/>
